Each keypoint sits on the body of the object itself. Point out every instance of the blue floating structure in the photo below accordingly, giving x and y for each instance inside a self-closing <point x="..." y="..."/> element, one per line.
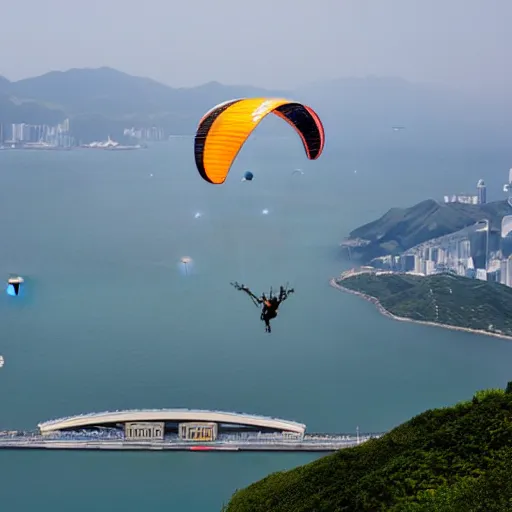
<point x="14" y="286"/>
<point x="248" y="176"/>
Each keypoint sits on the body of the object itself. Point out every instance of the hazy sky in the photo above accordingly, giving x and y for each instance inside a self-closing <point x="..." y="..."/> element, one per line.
<point x="275" y="43"/>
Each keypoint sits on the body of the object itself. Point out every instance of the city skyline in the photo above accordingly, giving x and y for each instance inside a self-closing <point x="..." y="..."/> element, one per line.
<point x="26" y="136"/>
<point x="475" y="252"/>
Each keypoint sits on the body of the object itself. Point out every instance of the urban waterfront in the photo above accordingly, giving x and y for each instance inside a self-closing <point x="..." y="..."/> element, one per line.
<point x="60" y="136"/>
<point x="479" y="251"/>
<point x="108" y="321"/>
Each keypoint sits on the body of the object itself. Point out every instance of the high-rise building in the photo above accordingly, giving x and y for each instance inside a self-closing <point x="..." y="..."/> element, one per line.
<point x="408" y="262"/>
<point x="461" y="198"/>
<point x="503" y="272"/>
<point x="430" y="267"/>
<point x="21" y="132"/>
<point x="479" y="243"/>
<point x="509" y="271"/>
<point x="506" y="236"/>
<point x="463" y="249"/>
<point x="63" y="127"/>
<point x="419" y="265"/>
<point x="508" y="187"/>
<point x="494" y="276"/>
<point x="481" y="192"/>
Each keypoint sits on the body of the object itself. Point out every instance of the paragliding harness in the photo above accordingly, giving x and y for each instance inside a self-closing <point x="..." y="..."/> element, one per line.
<point x="270" y="304"/>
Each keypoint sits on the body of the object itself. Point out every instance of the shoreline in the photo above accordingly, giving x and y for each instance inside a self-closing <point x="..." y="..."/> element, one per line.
<point x="383" y="311"/>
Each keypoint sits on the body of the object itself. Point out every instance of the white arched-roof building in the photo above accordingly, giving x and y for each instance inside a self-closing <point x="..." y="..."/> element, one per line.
<point x="84" y="421"/>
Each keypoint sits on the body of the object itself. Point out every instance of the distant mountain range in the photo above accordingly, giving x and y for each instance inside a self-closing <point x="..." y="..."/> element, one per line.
<point x="104" y="101"/>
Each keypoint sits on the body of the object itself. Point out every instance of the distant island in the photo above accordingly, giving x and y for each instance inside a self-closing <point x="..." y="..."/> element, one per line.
<point x="401" y="229"/>
<point x="450" y="459"/>
<point x="444" y="300"/>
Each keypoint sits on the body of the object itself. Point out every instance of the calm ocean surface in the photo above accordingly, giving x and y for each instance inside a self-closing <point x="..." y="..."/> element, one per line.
<point x="110" y="321"/>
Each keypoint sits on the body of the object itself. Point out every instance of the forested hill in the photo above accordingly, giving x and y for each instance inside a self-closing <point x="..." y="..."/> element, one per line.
<point x="444" y="299"/>
<point x="455" y="459"/>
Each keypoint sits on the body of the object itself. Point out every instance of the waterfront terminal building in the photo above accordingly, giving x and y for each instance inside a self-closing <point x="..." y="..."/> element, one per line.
<point x="177" y="429"/>
<point x="174" y="425"/>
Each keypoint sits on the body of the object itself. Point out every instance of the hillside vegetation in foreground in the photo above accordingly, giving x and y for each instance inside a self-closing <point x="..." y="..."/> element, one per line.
<point x="442" y="298"/>
<point x="454" y="459"/>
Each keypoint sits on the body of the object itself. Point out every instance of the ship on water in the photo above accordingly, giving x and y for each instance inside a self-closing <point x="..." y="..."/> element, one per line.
<point x="110" y="145"/>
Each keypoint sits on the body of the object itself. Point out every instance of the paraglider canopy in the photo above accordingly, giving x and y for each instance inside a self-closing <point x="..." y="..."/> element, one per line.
<point x="248" y="176"/>
<point x="224" y="129"/>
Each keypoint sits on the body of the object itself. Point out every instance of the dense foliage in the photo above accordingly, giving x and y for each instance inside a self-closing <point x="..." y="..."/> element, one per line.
<point x="443" y="298"/>
<point x="452" y="459"/>
<point x="402" y="228"/>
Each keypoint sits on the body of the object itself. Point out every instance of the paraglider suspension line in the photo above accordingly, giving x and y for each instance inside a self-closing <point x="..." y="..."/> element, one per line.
<point x="246" y="290"/>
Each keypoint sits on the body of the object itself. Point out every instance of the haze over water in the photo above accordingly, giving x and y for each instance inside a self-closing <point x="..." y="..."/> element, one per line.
<point x="109" y="320"/>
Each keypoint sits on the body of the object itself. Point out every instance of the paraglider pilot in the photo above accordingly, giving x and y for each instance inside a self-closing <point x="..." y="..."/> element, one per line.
<point x="270" y="304"/>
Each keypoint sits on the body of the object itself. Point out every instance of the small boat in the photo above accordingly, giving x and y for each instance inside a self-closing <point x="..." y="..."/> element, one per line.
<point x="1" y="361"/>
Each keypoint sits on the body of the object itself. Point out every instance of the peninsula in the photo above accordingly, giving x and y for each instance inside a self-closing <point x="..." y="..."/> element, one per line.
<point x="402" y="228"/>
<point x="454" y="458"/>
<point x="444" y="300"/>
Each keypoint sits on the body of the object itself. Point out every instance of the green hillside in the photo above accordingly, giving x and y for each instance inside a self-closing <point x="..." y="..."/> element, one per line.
<point x="455" y="459"/>
<point x="460" y="301"/>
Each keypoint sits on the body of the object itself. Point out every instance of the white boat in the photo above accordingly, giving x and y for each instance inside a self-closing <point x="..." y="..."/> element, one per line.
<point x="1" y="361"/>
